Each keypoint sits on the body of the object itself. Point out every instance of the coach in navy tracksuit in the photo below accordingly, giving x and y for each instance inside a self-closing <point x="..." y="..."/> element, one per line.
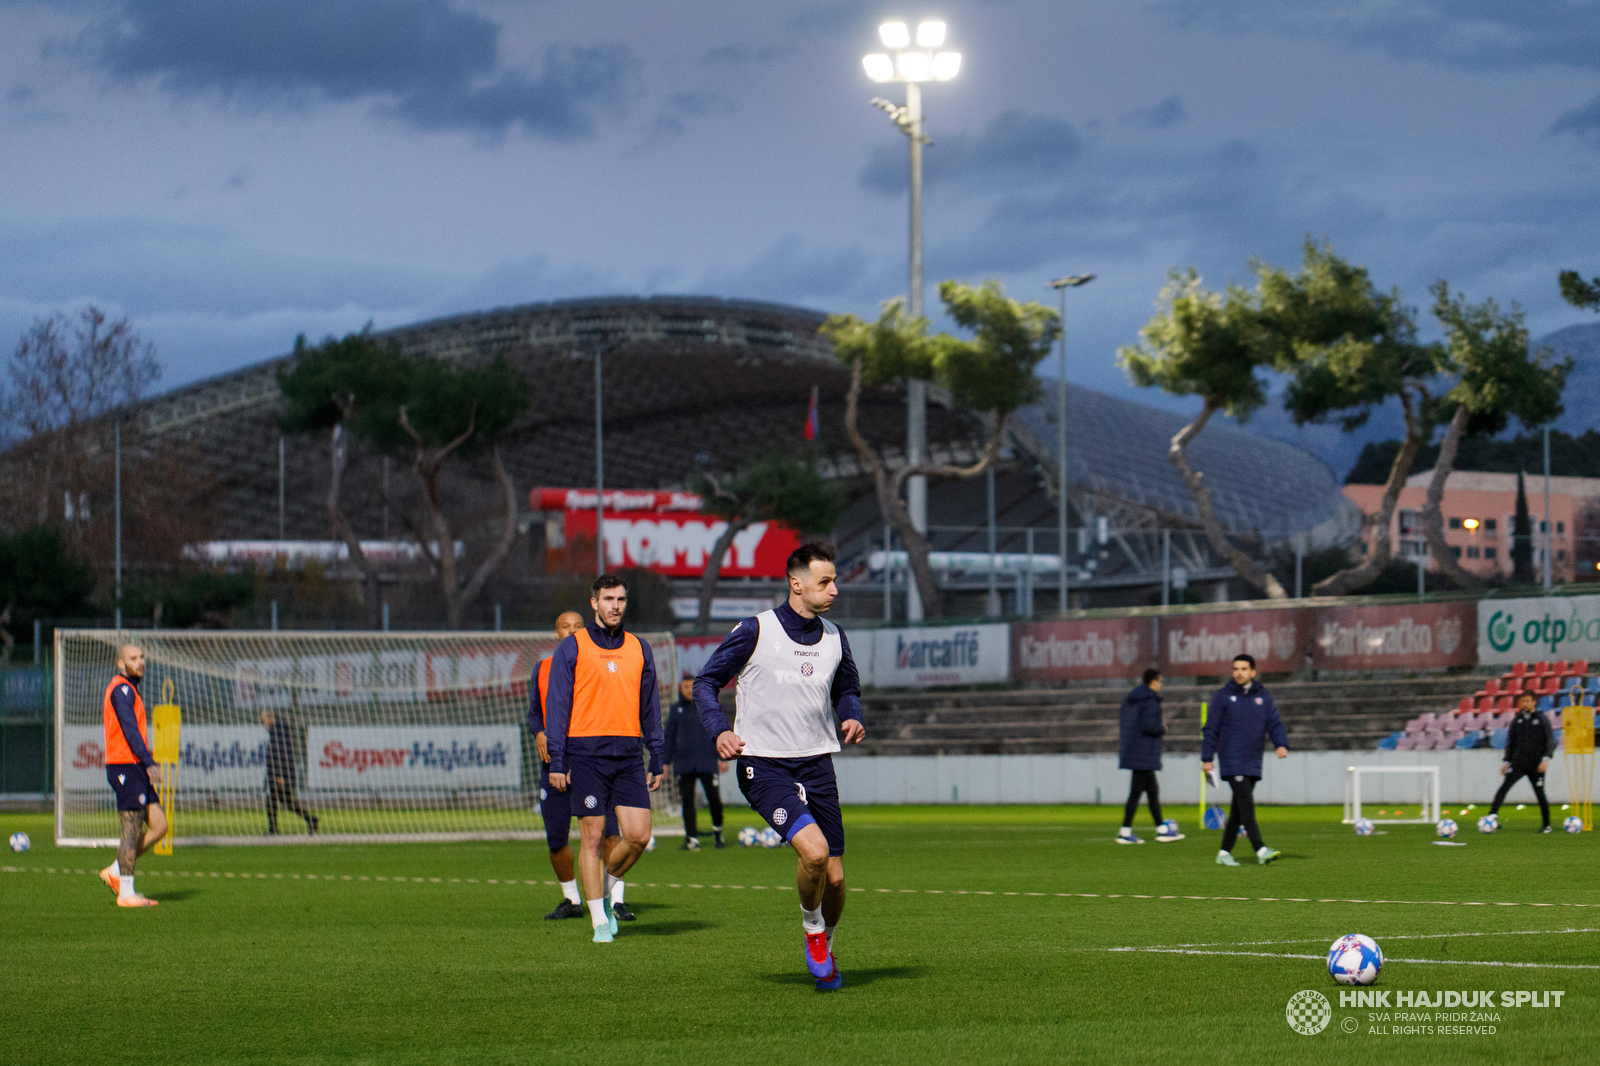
<point x="1139" y="749"/>
<point x="1241" y="714"/>
<point x="693" y="755"/>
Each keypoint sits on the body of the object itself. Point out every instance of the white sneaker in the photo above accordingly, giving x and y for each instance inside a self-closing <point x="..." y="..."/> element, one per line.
<point x="1125" y="836"/>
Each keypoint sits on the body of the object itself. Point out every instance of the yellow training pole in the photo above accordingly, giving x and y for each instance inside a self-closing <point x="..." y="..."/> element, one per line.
<point x="1577" y="741"/>
<point x="165" y="719"/>
<point x="1201" y="822"/>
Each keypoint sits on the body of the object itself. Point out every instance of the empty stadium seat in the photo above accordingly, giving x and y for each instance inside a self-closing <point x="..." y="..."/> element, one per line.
<point x="1560" y="667"/>
<point x="1470" y="740"/>
<point x="1487" y="703"/>
<point x="1519" y="669"/>
<point x="1414" y="726"/>
<point x="1580" y="666"/>
<point x="1407" y="742"/>
<point x="1514" y="686"/>
<point x="1390" y="742"/>
<point x="1466" y="706"/>
<point x="1497" y="737"/>
<point x="1491" y="687"/>
<point x="1593" y="685"/>
<point x="1546" y="703"/>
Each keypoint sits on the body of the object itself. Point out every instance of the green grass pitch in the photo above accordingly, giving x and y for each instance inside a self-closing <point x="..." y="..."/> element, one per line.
<point x="958" y="945"/>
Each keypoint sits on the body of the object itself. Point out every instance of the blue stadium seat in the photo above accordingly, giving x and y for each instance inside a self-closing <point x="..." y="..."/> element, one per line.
<point x="1388" y="743"/>
<point x="1546" y="703"/>
<point x="1497" y="739"/>
<point x="1470" y="740"/>
<point x="1594" y="684"/>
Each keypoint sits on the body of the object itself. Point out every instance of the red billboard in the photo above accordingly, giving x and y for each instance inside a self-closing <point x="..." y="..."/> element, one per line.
<point x="1205" y="644"/>
<point x="1396" y="636"/>
<point x="1068" y="650"/>
<point x="664" y="532"/>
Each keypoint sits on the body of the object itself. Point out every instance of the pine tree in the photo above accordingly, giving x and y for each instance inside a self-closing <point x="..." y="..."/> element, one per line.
<point x="1522" y="538"/>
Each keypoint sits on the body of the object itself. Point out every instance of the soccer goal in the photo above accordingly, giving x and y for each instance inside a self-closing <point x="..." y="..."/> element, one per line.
<point x="396" y="736"/>
<point x="1379" y="791"/>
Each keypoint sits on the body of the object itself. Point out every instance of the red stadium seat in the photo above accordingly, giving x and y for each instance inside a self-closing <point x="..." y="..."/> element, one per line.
<point x="1580" y="667"/>
<point x="1486" y="703"/>
<point x="1504" y="703"/>
<point x="1519" y="669"/>
<point x="1541" y="668"/>
<point x="1466" y="706"/>
<point x="1514" y="686"/>
<point x="1560" y="668"/>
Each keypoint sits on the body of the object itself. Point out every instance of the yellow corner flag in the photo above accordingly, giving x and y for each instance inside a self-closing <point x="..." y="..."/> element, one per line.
<point x="165" y="723"/>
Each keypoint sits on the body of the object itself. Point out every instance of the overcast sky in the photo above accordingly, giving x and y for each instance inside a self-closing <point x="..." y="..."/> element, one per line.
<point x="230" y="173"/>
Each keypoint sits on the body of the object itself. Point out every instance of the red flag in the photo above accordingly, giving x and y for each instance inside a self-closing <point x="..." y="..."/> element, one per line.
<point x="813" y="422"/>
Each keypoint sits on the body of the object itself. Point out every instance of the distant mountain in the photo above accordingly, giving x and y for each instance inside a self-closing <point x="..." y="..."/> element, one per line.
<point x="1340" y="450"/>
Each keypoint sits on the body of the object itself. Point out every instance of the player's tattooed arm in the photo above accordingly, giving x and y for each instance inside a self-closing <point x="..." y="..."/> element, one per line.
<point x="128" y="846"/>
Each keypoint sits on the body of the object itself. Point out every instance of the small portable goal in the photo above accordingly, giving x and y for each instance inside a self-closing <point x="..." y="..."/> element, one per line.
<point x="1429" y="812"/>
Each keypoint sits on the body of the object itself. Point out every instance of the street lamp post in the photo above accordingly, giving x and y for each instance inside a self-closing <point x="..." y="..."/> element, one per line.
<point x="913" y="65"/>
<point x="1061" y="285"/>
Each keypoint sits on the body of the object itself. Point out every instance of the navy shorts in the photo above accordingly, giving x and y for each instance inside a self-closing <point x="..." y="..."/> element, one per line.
<point x="556" y="810"/>
<point x="599" y="784"/>
<point x="132" y="786"/>
<point x="794" y="793"/>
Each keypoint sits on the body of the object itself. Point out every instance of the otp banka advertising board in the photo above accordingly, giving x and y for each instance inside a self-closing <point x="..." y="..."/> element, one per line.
<point x="1547" y="627"/>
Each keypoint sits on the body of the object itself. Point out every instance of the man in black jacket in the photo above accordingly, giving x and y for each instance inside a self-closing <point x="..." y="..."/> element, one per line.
<point x="1529" y="744"/>
<point x="1240" y="717"/>
<point x="281" y="773"/>
<point x="693" y="755"/>
<point x="1140" y="751"/>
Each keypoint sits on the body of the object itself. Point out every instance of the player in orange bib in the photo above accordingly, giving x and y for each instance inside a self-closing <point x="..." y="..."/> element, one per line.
<point x="132" y="773"/>
<point x="601" y="709"/>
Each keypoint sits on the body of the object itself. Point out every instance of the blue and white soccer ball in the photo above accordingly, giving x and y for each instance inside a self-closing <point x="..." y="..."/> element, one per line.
<point x="749" y="836"/>
<point x="1447" y="828"/>
<point x="1355" y="960"/>
<point x="1488" y="823"/>
<point x="770" y="838"/>
<point x="1169" y="828"/>
<point x="1571" y="823"/>
<point x="21" y="843"/>
<point x="1214" y="818"/>
<point x="1363" y="827"/>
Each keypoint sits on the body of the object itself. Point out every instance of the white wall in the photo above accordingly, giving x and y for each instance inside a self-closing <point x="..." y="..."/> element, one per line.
<point x="1304" y="777"/>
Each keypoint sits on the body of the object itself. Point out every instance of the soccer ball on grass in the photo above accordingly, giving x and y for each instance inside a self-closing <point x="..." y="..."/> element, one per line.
<point x="1363" y="827"/>
<point x="770" y="838"/>
<point x="749" y="835"/>
<point x="1355" y="960"/>
<point x="1168" y="830"/>
<point x="1488" y="823"/>
<point x="1571" y="823"/>
<point x="21" y="843"/>
<point x="1447" y="828"/>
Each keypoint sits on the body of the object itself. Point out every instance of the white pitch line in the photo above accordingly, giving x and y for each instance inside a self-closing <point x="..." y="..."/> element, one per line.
<point x="398" y="879"/>
<point x="1384" y="937"/>
<point x="1431" y="962"/>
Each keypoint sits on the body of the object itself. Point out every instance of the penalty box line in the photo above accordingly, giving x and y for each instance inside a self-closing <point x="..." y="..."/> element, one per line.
<point x="1385" y="937"/>
<point x="1323" y="958"/>
<point x="402" y="879"/>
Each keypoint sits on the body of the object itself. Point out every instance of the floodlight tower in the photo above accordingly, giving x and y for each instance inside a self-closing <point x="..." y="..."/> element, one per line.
<point x="913" y="65"/>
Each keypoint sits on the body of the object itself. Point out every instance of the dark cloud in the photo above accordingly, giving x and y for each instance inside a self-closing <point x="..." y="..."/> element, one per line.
<point x="19" y="94"/>
<point x="1015" y="149"/>
<point x="425" y="62"/>
<point x="1166" y="114"/>
<point x="1471" y="34"/>
<point x="741" y="55"/>
<point x="1582" y="122"/>
<point x="836" y="19"/>
<point x="791" y="270"/>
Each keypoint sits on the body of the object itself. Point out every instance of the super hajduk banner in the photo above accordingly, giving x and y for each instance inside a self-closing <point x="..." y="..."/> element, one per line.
<point x="1545" y="627"/>
<point x="414" y="757"/>
<point x="210" y="757"/>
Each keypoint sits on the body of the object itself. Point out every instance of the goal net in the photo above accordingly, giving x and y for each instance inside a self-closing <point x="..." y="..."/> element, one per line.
<point x="396" y="736"/>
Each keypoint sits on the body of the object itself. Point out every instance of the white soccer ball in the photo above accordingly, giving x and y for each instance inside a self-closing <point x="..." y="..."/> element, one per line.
<point x="1447" y="828"/>
<point x="1355" y="960"/>
<point x="1363" y="827"/>
<point x="749" y="836"/>
<point x="1571" y="823"/>
<point x="1488" y="823"/>
<point x="20" y="841"/>
<point x="1168" y="828"/>
<point x="770" y="838"/>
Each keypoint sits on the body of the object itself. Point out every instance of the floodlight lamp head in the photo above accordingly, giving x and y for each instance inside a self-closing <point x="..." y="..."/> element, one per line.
<point x="946" y="65"/>
<point x="879" y="67"/>
<point x="894" y="35"/>
<point x="930" y="34"/>
<point x="914" y="66"/>
<point x="1072" y="281"/>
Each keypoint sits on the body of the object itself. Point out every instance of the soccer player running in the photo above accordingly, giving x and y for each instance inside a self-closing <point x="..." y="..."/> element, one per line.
<point x="132" y="773"/>
<point x="600" y="708"/>
<point x="1529" y="744"/>
<point x="1240" y="715"/>
<point x="795" y="674"/>
<point x="556" y="807"/>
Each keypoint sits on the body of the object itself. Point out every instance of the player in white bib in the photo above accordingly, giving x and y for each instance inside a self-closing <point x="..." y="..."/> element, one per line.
<point x="798" y="693"/>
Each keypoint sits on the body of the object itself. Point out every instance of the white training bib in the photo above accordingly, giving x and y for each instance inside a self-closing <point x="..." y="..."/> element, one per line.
<point x="784" y="698"/>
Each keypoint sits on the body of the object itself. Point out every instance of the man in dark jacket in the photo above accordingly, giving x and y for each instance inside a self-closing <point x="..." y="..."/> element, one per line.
<point x="1140" y="748"/>
<point x="1529" y="744"/>
<point x="693" y="755"/>
<point x="281" y="773"/>
<point x="1240" y="715"/>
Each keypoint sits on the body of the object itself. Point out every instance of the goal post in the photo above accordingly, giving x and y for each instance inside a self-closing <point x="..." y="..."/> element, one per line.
<point x="395" y="736"/>
<point x="1427" y="803"/>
